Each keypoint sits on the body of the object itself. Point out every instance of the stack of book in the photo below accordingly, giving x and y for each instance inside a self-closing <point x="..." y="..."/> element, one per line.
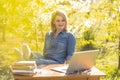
<point x="24" y="68"/>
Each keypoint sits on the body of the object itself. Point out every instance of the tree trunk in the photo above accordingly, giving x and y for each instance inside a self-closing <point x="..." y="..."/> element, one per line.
<point x="36" y="33"/>
<point x="3" y="36"/>
<point x="119" y="63"/>
<point x="119" y="54"/>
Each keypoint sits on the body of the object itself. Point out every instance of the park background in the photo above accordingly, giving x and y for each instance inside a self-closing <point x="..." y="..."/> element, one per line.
<point x="95" y="24"/>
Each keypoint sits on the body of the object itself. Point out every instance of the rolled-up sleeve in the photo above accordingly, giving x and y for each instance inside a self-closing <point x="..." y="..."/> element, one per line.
<point x="70" y="46"/>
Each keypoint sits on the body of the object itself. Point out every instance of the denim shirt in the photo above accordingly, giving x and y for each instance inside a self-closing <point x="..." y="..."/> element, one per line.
<point x="59" y="48"/>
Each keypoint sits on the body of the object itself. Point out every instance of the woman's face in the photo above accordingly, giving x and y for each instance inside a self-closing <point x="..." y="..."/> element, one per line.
<point x="59" y="23"/>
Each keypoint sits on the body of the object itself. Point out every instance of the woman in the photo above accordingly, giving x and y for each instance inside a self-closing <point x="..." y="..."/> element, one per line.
<point x="59" y="44"/>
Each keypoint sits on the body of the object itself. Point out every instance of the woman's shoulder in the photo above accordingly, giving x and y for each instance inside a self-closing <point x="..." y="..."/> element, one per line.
<point x="49" y="33"/>
<point x="70" y="34"/>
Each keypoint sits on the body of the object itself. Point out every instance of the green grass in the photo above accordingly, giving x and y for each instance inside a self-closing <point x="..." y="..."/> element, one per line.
<point x="8" y="56"/>
<point x="109" y="65"/>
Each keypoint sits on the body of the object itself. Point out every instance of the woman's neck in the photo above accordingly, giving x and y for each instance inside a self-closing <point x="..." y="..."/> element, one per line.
<point x="57" y="32"/>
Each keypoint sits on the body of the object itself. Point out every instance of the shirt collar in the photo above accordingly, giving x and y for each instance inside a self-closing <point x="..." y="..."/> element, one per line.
<point x="63" y="31"/>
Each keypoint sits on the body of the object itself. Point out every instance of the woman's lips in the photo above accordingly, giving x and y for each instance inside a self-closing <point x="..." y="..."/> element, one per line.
<point x="60" y="25"/>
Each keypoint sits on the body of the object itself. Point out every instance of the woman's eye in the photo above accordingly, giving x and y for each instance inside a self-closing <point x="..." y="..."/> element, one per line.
<point x="58" y="20"/>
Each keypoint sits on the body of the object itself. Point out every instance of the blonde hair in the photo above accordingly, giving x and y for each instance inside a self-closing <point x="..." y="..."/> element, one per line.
<point x="58" y="13"/>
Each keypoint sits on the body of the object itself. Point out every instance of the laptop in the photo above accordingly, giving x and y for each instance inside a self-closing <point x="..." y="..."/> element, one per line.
<point x="80" y="61"/>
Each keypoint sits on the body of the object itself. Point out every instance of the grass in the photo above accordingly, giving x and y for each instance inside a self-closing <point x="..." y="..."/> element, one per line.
<point x="109" y="65"/>
<point x="8" y="56"/>
<point x="106" y="63"/>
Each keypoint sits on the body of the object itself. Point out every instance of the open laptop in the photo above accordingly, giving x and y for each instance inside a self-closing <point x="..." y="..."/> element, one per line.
<point x="80" y="61"/>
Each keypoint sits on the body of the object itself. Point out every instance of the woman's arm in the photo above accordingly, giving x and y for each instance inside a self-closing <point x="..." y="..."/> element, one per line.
<point x="67" y="61"/>
<point x="70" y="47"/>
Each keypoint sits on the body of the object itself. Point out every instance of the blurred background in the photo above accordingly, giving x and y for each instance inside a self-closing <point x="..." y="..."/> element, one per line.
<point x="95" y="24"/>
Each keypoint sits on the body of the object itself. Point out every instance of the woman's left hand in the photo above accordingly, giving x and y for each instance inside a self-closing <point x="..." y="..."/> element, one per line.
<point x="67" y="61"/>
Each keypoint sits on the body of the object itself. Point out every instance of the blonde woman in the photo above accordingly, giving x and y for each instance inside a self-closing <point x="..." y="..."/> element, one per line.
<point x="59" y="44"/>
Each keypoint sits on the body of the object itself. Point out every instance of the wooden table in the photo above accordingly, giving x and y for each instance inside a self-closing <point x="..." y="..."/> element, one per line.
<point x="47" y="74"/>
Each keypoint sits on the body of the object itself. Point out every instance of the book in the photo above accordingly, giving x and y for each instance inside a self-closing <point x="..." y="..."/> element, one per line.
<point x="23" y="71"/>
<point x="25" y="63"/>
<point x="24" y="68"/>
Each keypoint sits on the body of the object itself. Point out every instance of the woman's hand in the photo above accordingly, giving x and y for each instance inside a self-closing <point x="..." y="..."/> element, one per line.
<point x="67" y="61"/>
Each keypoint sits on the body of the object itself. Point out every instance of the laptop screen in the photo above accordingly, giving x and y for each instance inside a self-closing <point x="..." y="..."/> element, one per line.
<point x="82" y="60"/>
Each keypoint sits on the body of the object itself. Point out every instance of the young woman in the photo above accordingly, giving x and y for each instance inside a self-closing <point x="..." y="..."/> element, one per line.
<point x="59" y="44"/>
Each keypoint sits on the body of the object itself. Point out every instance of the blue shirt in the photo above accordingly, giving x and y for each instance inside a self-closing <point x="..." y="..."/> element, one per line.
<point x="59" y="48"/>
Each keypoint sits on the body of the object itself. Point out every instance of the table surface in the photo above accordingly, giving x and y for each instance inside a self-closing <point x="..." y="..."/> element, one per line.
<point x="46" y="71"/>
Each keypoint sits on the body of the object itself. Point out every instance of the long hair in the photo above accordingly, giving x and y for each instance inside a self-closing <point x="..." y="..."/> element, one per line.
<point x="58" y="13"/>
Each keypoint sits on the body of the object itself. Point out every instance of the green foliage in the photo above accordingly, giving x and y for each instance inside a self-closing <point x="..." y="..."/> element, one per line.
<point x="95" y="26"/>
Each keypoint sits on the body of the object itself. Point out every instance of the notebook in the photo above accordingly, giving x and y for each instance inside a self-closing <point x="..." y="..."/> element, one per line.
<point x="80" y="61"/>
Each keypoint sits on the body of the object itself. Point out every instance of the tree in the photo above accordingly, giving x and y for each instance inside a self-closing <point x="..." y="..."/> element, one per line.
<point x="112" y="10"/>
